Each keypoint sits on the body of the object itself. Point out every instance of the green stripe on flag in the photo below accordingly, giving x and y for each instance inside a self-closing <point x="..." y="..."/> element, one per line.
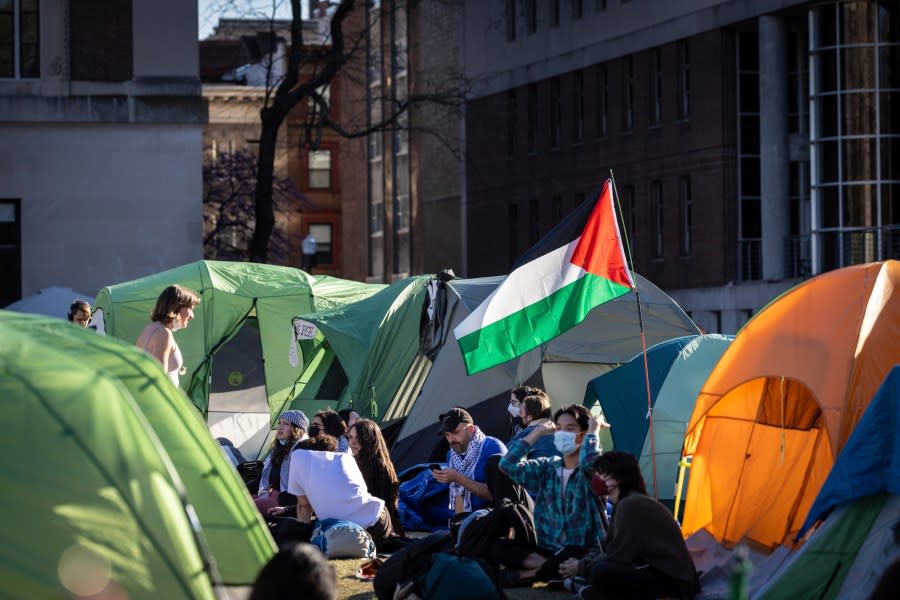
<point x="537" y="323"/>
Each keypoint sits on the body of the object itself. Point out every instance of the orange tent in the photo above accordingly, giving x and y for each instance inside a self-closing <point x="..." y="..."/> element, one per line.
<point x="784" y="398"/>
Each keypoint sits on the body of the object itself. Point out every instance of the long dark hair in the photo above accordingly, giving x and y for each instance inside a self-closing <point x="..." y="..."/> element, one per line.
<point x="378" y="471"/>
<point x="624" y="468"/>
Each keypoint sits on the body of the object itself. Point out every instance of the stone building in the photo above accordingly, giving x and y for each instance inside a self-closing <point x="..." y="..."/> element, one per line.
<point x="101" y="121"/>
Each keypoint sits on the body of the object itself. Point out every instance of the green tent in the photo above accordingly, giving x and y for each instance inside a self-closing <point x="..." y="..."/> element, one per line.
<point x="362" y="352"/>
<point x="238" y="348"/>
<point x="91" y="501"/>
<point x="232" y="527"/>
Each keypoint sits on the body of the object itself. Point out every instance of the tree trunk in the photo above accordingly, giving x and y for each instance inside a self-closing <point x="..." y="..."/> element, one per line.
<point x="265" y="170"/>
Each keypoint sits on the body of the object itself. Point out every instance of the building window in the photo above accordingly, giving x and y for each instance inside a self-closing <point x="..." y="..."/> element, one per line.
<point x="655" y="86"/>
<point x="855" y="133"/>
<point x="10" y="251"/>
<point x="601" y="5"/>
<point x="628" y="93"/>
<point x="319" y="169"/>
<point x="19" y="39"/>
<point x="531" y="16"/>
<point x="510" y="20"/>
<point x="656" y="200"/>
<point x="554" y="13"/>
<point x="556" y="209"/>
<point x="578" y="108"/>
<point x="579" y="198"/>
<point x="532" y="117"/>
<point x="511" y="128"/>
<point x="577" y="9"/>
<point x="512" y="233"/>
<point x="684" y="80"/>
<point x="534" y="221"/>
<point x="602" y="100"/>
<point x="685" y="223"/>
<point x="321" y="232"/>
<point x="555" y="113"/>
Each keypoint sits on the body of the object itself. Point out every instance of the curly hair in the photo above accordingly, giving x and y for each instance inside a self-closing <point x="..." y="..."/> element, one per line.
<point x="624" y="468"/>
<point x="322" y="443"/>
<point x="334" y="424"/>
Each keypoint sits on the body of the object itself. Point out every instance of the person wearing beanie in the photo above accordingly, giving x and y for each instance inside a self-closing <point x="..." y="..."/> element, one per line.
<point x="292" y="428"/>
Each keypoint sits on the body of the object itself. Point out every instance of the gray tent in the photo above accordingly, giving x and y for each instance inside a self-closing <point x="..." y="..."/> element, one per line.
<point x="609" y="336"/>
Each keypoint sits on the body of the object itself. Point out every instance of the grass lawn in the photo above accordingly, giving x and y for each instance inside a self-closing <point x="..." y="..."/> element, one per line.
<point x="351" y="587"/>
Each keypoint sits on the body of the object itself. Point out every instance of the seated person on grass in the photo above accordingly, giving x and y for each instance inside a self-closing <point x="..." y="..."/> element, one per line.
<point x="644" y="554"/>
<point x="330" y="484"/>
<point x="566" y="514"/>
<point x="467" y="461"/>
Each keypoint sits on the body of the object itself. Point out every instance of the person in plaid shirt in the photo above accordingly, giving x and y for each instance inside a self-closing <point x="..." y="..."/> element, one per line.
<point x="566" y="515"/>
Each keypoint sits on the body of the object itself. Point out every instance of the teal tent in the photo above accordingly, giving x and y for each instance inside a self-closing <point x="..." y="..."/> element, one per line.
<point x="360" y="354"/>
<point x="235" y="535"/>
<point x="677" y="369"/>
<point x="238" y="348"/>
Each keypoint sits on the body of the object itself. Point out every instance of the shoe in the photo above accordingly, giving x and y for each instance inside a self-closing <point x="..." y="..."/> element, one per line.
<point x="513" y="579"/>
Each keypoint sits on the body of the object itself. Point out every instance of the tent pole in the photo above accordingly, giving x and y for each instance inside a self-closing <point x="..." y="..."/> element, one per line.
<point x="637" y="296"/>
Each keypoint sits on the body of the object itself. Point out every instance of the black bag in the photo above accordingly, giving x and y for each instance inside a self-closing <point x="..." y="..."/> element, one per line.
<point x="477" y="538"/>
<point x="410" y="562"/>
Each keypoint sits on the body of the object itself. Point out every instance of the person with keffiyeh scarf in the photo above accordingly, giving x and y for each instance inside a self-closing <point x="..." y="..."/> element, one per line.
<point x="467" y="459"/>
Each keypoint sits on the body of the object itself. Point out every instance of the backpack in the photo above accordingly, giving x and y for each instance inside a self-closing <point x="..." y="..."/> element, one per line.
<point x="451" y="577"/>
<point x="424" y="502"/>
<point x="409" y="563"/>
<point x="337" y="538"/>
<point x="477" y="534"/>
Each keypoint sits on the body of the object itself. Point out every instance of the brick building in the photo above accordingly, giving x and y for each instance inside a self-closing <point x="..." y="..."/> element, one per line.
<point x="753" y="144"/>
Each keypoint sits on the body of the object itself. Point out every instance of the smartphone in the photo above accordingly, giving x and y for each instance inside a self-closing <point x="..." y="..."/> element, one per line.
<point x="435" y="467"/>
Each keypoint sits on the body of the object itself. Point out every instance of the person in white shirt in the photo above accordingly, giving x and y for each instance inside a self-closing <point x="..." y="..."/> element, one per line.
<point x="330" y="484"/>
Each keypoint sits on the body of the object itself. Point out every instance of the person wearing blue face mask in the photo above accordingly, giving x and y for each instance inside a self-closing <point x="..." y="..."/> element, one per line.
<point x="566" y="516"/>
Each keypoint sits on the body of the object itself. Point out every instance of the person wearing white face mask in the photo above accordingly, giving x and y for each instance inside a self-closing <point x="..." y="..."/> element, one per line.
<point x="516" y="396"/>
<point x="534" y="411"/>
<point x="566" y="515"/>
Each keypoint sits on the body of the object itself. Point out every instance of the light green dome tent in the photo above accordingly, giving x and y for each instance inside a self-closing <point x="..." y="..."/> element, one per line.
<point x="362" y="354"/>
<point x="237" y="348"/>
<point x="61" y="356"/>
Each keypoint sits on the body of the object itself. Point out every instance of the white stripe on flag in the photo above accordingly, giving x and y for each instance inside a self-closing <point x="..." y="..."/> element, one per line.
<point x="554" y="270"/>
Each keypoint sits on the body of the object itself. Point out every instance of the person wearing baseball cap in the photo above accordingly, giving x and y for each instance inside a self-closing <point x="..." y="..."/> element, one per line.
<point x="467" y="461"/>
<point x="292" y="428"/>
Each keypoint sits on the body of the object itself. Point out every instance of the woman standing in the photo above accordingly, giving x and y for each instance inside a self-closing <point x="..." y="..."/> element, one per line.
<point x="368" y="447"/>
<point x="173" y="311"/>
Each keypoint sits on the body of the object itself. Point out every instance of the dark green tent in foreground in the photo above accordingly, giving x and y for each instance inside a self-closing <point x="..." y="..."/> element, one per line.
<point x="105" y="463"/>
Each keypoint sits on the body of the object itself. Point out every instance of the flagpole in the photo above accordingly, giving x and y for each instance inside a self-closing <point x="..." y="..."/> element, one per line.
<point x="637" y="296"/>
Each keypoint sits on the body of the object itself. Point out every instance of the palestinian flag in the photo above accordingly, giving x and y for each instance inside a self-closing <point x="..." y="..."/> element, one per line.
<point x="550" y="293"/>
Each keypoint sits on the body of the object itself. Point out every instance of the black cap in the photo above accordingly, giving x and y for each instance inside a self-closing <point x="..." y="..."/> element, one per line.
<point x="451" y="419"/>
